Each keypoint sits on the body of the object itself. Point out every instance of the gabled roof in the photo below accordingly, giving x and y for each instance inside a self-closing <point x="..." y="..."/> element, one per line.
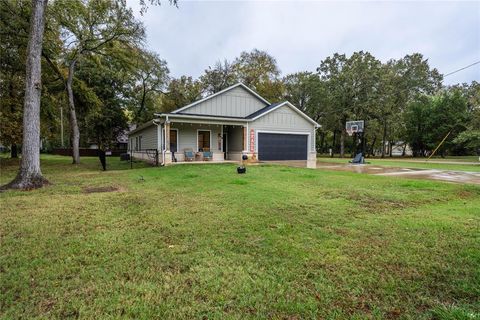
<point x="142" y="126"/>
<point x="251" y="117"/>
<point x="263" y="110"/>
<point x="221" y="92"/>
<point x="272" y="107"/>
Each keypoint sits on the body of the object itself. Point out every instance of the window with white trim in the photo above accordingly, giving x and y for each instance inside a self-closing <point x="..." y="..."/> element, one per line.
<point x="203" y="140"/>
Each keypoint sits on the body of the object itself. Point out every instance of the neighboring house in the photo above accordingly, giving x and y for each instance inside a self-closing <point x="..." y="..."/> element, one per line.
<point x="399" y="147"/>
<point x="121" y="142"/>
<point x="233" y="122"/>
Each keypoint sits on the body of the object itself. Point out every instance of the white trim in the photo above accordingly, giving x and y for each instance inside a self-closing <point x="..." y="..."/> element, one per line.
<point x="221" y="92"/>
<point x="309" y="146"/>
<point x="178" y="142"/>
<point x="237" y="121"/>
<point x="210" y="138"/>
<point x="292" y="107"/>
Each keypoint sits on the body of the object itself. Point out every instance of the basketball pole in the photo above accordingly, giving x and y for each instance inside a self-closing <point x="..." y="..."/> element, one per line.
<point x="363" y="139"/>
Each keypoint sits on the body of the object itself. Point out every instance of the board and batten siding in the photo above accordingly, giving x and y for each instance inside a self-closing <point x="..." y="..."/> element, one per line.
<point x="284" y="119"/>
<point x="237" y="102"/>
<point x="187" y="136"/>
<point x="149" y="138"/>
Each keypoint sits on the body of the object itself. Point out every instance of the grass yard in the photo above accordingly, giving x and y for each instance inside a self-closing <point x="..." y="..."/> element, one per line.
<point x="201" y="242"/>
<point x="419" y="163"/>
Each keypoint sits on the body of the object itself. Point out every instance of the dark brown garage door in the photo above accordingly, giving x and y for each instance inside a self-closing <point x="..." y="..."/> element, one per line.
<point x="279" y="146"/>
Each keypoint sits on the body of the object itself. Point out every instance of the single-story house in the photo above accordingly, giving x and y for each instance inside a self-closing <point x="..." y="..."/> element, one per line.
<point x="228" y="124"/>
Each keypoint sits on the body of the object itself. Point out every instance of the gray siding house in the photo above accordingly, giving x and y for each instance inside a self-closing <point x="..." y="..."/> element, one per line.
<point x="233" y="122"/>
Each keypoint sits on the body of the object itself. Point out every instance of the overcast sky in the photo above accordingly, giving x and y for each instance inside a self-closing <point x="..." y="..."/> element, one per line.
<point x="300" y="34"/>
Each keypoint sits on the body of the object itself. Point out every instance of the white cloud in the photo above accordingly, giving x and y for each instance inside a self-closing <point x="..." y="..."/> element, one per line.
<point x="300" y="34"/>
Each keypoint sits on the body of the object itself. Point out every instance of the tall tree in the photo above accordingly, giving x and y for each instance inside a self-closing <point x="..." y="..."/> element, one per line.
<point x="89" y="27"/>
<point x="308" y="92"/>
<point x="259" y="71"/>
<point x="30" y="175"/>
<point x="352" y="83"/>
<point x="220" y="76"/>
<point x="408" y="78"/>
<point x="430" y="119"/>
<point x="150" y="82"/>
<point x="109" y="84"/>
<point x="181" y="92"/>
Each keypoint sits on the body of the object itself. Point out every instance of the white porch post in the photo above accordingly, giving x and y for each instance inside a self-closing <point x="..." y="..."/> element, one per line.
<point x="245" y="138"/>
<point x="168" y="154"/>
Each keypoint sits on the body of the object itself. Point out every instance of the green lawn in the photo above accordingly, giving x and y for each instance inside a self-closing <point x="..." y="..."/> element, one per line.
<point x="200" y="241"/>
<point x="416" y="163"/>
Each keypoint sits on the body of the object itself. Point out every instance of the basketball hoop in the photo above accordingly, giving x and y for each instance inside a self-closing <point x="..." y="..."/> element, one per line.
<point x="354" y="127"/>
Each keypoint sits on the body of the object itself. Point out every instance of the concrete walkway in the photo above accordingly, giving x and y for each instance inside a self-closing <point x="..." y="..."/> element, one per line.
<point x="430" y="174"/>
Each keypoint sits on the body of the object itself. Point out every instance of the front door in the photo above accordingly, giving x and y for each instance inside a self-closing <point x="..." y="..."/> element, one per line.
<point x="173" y="140"/>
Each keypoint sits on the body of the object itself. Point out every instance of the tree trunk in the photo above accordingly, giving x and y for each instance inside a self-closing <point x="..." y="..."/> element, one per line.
<point x="334" y="142"/>
<point x="74" y="131"/>
<point x="13" y="151"/>
<point x="390" y="151"/>
<point x="404" y="149"/>
<point x="342" y="143"/>
<point x="142" y="103"/>
<point x="384" y="138"/>
<point x="372" y="153"/>
<point x="322" y="142"/>
<point x="30" y="176"/>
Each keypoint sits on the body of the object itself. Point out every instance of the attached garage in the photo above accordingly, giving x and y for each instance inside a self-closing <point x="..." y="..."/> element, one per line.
<point x="282" y="146"/>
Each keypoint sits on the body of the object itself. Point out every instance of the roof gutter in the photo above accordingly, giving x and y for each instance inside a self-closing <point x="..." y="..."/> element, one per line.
<point x="178" y="115"/>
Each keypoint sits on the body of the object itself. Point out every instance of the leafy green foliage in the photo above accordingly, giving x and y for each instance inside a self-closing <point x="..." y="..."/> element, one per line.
<point x="470" y="139"/>
<point x="180" y="92"/>
<point x="430" y="119"/>
<point x="150" y="80"/>
<point x="218" y="77"/>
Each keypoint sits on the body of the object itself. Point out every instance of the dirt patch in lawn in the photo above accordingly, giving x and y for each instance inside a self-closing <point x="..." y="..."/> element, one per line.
<point x="101" y="189"/>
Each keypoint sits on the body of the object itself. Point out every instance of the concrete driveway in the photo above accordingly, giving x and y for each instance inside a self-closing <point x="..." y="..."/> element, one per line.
<point x="429" y="174"/>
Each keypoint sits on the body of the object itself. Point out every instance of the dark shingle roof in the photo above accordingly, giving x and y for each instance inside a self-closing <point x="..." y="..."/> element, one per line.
<point x="263" y="110"/>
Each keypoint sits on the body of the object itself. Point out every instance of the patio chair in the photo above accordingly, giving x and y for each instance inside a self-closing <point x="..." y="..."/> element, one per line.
<point x="189" y="155"/>
<point x="207" y="155"/>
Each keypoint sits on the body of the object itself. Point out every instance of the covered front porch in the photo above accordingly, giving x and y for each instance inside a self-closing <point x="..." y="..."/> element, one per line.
<point x="189" y="139"/>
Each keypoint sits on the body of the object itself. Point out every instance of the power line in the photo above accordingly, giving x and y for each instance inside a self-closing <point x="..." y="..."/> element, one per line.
<point x="470" y="65"/>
